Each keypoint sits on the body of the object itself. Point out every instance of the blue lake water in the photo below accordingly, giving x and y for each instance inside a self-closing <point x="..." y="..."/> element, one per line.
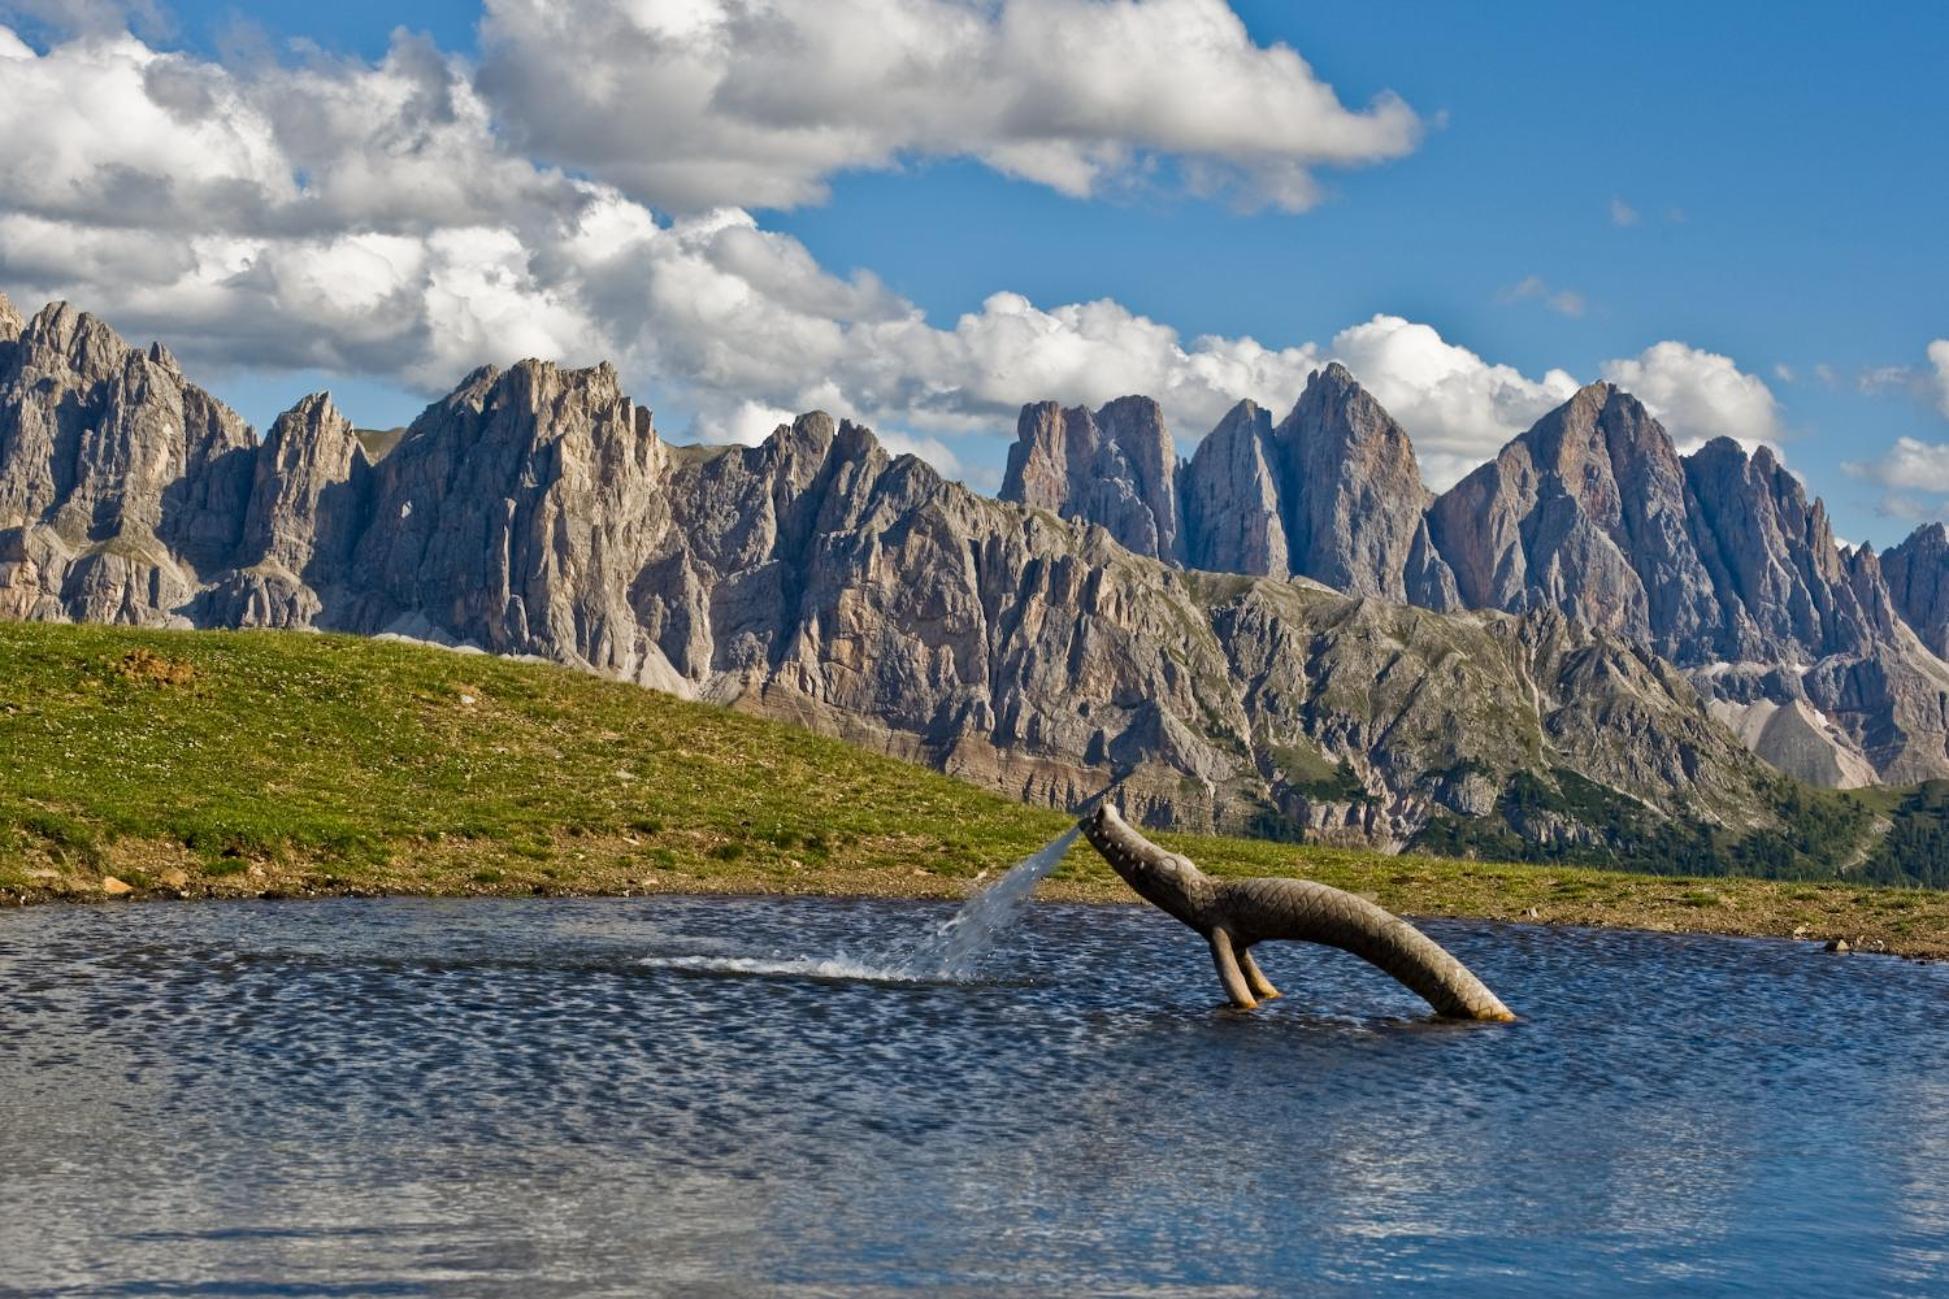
<point x="705" y="1096"/>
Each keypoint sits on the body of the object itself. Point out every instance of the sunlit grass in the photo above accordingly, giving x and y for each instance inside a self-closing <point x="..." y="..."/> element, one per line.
<point x="246" y="762"/>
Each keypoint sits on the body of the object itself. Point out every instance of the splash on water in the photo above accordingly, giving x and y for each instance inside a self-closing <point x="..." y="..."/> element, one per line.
<point x="950" y="953"/>
<point x="800" y="967"/>
<point x="956" y="946"/>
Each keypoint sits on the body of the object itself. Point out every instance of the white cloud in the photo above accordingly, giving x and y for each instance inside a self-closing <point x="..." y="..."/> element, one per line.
<point x="1939" y="358"/>
<point x="1699" y="395"/>
<point x="693" y="105"/>
<point x="1911" y="464"/>
<point x="377" y="220"/>
<point x="1884" y="378"/>
<point x="1565" y="302"/>
<point x="1622" y="213"/>
<point x="372" y="219"/>
<point x="1458" y="408"/>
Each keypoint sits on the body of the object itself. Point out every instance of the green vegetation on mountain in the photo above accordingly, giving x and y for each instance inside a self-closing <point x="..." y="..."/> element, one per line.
<point x="244" y="764"/>
<point x="1817" y="830"/>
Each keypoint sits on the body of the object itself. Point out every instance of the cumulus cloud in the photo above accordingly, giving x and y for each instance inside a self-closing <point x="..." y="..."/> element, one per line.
<point x="1458" y="408"/>
<point x="366" y="219"/>
<point x="705" y="103"/>
<point x="1700" y="395"/>
<point x="379" y="219"/>
<point x="1911" y="465"/>
<point x="1939" y="359"/>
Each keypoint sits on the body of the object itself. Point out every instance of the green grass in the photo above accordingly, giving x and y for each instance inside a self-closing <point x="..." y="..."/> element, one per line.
<point x="231" y="763"/>
<point x="251" y="745"/>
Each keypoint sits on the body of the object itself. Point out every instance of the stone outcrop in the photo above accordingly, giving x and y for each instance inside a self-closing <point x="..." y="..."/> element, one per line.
<point x="1332" y="492"/>
<point x="1116" y="466"/>
<point x="1584" y="513"/>
<point x="1785" y="587"/>
<point x="815" y="577"/>
<point x="1917" y="573"/>
<point x="1352" y="497"/>
<point x="1718" y="562"/>
<point x="1231" y="498"/>
<point x="309" y="500"/>
<point x="515" y="515"/>
<point x="120" y="482"/>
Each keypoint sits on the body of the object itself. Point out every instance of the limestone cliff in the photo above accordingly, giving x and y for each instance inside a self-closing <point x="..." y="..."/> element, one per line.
<point x="816" y="577"/>
<point x="1332" y="492"/>
<point x="1917" y="572"/>
<point x="1718" y="562"/>
<point x="120" y="482"/>
<point x="1116" y="466"/>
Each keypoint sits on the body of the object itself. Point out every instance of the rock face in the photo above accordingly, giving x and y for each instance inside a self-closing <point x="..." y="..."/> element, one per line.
<point x="1583" y="513"/>
<point x="1719" y="563"/>
<point x="1715" y="557"/>
<point x="1918" y="582"/>
<point x="535" y="511"/>
<point x="1116" y="466"/>
<point x="310" y="497"/>
<point x="1231" y="498"/>
<point x="515" y="515"/>
<point x="819" y="579"/>
<point x="1799" y="740"/>
<point x="1331" y="493"/>
<point x="1785" y="587"/>
<point x="120" y="482"/>
<point x="1352" y="498"/>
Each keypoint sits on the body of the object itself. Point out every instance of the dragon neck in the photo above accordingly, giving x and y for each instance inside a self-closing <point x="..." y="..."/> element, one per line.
<point x="1163" y="879"/>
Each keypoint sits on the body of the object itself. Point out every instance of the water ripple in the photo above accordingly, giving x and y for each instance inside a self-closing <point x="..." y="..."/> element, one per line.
<point x="671" y="1095"/>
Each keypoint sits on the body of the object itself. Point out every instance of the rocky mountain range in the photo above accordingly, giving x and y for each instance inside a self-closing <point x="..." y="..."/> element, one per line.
<point x="1017" y="643"/>
<point x="1826" y="660"/>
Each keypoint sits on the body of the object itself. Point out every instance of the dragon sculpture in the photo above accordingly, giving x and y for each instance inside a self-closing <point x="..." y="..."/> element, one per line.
<point x="1235" y="915"/>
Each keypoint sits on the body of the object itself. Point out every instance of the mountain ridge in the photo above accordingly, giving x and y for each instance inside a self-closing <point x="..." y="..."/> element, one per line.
<point x="1718" y="561"/>
<point x="535" y="511"/>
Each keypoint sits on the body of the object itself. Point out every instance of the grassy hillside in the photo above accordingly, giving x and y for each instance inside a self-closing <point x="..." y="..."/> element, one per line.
<point x="220" y="763"/>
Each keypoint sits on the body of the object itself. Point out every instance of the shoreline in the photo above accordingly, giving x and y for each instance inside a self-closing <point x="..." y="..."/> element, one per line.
<point x="1812" y="913"/>
<point x="166" y="764"/>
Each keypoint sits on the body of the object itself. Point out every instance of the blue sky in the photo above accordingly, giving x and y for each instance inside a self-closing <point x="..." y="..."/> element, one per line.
<point x="1763" y="182"/>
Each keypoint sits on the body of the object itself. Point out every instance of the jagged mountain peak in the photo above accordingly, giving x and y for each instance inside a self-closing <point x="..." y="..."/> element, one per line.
<point x="1332" y="492"/>
<point x="533" y="510"/>
<point x="1244" y="416"/>
<point x="312" y="412"/>
<point x="11" y="321"/>
<point x="61" y="334"/>
<point x="1600" y="423"/>
<point x="1721" y="448"/>
<point x="1917" y="573"/>
<point x="1332" y="396"/>
<point x="1115" y="466"/>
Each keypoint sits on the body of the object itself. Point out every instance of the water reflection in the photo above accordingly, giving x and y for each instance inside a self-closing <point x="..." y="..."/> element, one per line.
<point x="555" y="1098"/>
